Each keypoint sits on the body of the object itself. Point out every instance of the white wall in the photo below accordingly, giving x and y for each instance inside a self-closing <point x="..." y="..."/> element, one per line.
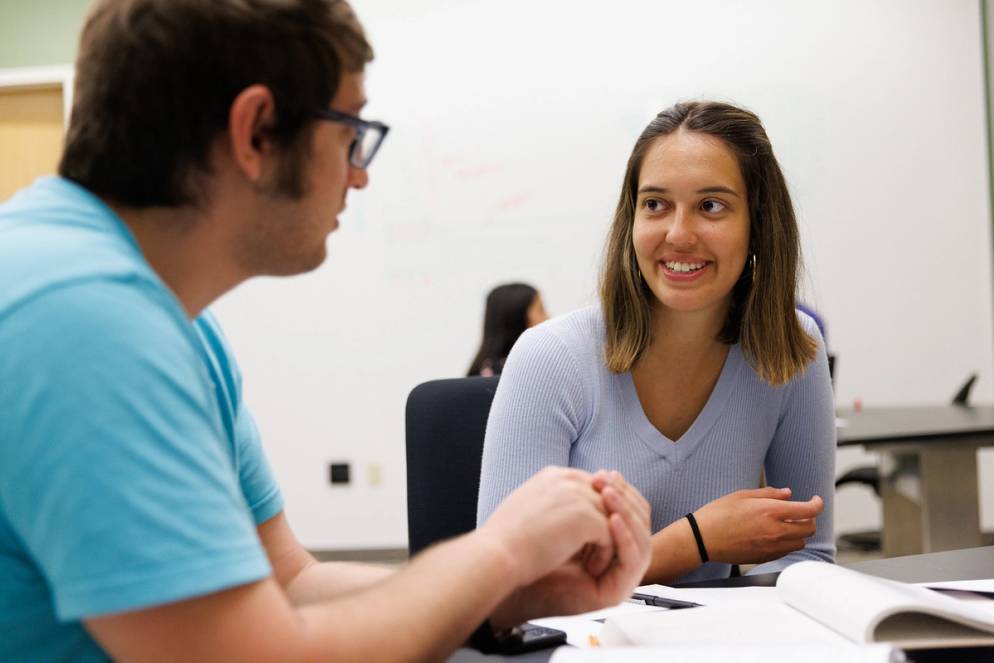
<point x="511" y="123"/>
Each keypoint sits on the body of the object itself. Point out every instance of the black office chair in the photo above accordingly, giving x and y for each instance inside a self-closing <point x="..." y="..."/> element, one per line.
<point x="446" y="421"/>
<point x="869" y="475"/>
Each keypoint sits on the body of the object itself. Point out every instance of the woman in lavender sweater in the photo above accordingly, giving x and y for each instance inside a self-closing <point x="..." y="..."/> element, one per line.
<point x="696" y="373"/>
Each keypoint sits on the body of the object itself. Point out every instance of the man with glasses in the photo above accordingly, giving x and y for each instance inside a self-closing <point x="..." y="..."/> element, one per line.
<point x="211" y="141"/>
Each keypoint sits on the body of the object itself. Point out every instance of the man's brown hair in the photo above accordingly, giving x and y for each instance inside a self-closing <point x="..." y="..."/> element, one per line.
<point x="762" y="314"/>
<point x="155" y="80"/>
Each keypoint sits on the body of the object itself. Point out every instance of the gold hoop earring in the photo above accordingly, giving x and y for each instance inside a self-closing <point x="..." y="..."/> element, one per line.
<point x="748" y="270"/>
<point x="638" y="270"/>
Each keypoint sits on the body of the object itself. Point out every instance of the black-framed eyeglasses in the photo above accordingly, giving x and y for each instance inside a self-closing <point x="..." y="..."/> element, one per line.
<point x="369" y="135"/>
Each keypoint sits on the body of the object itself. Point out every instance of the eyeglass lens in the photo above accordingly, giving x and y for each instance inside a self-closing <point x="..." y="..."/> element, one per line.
<point x="363" y="147"/>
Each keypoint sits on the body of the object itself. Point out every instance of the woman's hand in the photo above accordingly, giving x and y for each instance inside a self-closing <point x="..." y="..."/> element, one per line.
<point x="758" y="525"/>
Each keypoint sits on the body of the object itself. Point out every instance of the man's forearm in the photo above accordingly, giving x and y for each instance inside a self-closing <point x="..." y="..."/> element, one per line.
<point x="422" y="611"/>
<point x="328" y="580"/>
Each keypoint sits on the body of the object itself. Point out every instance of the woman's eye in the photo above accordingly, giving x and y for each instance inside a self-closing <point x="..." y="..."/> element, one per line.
<point x="713" y="206"/>
<point x="653" y="205"/>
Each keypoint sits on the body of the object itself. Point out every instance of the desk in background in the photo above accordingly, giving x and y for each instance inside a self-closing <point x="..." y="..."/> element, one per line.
<point x="928" y="472"/>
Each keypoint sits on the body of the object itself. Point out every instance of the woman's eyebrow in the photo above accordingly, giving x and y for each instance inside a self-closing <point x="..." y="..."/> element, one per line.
<point x="709" y="189"/>
<point x="653" y="189"/>
<point x="719" y="189"/>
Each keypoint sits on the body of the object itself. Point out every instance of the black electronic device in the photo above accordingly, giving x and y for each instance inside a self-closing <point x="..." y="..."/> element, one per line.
<point x="530" y="637"/>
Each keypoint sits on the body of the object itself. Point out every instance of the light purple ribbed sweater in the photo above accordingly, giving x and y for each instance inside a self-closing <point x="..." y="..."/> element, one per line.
<point x="558" y="404"/>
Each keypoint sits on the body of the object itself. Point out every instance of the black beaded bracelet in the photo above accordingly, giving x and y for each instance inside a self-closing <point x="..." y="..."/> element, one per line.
<point x="697" y="535"/>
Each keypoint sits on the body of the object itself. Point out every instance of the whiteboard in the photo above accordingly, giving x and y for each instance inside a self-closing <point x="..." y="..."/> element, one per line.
<point x="511" y="122"/>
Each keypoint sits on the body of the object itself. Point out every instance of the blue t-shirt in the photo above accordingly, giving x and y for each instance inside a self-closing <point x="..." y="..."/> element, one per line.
<point x="131" y="473"/>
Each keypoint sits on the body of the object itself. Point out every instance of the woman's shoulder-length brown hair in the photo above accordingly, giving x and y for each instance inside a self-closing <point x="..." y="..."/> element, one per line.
<point x="762" y="316"/>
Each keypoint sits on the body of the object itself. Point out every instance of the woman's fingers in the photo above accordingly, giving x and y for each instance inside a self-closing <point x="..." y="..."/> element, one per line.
<point x="793" y="511"/>
<point x="767" y="492"/>
<point x="799" y="529"/>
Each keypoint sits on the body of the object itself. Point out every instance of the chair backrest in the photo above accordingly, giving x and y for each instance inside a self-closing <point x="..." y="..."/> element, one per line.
<point x="962" y="396"/>
<point x="446" y="421"/>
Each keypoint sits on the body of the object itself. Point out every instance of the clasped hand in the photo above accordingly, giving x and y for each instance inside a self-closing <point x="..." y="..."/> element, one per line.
<point x="579" y="542"/>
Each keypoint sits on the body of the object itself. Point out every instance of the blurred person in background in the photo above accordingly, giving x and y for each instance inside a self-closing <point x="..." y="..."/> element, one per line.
<point x="511" y="309"/>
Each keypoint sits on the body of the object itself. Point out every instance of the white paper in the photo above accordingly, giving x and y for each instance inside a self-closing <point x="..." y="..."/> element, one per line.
<point x="742" y="623"/>
<point x="583" y="630"/>
<point x="878" y="653"/>
<point x="712" y="595"/>
<point x="813" y="603"/>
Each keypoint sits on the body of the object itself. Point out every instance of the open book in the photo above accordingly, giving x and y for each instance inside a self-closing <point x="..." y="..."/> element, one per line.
<point x="814" y="602"/>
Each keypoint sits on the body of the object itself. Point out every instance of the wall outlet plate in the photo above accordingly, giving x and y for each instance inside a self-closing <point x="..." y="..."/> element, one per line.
<point x="338" y="473"/>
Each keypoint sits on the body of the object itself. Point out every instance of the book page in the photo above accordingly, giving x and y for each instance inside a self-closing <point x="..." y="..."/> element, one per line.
<point x="844" y="600"/>
<point x="915" y="630"/>
<point x="854" y="604"/>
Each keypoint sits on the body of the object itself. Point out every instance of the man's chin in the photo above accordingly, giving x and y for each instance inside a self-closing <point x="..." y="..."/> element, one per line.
<point x="301" y="264"/>
<point x="315" y="260"/>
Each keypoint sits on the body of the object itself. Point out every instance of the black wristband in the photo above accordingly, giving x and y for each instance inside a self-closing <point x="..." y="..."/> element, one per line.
<point x="486" y="641"/>
<point x="697" y="535"/>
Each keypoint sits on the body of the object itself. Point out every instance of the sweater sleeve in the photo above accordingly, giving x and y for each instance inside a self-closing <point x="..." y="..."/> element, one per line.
<point x="538" y="412"/>
<point x="802" y="453"/>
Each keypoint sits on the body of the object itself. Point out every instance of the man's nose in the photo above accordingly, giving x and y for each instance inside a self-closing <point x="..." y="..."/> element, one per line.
<point x="358" y="177"/>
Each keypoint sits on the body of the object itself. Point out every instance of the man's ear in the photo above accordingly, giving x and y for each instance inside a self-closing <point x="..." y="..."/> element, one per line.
<point x="251" y="113"/>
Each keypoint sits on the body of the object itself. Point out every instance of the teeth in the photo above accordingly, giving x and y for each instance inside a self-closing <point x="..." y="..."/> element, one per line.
<point x="684" y="266"/>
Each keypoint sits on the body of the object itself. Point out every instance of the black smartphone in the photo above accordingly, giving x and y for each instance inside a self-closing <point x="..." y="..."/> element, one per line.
<point x="529" y="637"/>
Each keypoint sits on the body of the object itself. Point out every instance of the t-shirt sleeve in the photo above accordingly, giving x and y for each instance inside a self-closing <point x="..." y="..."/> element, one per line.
<point x="258" y="484"/>
<point x="537" y="414"/>
<point x="802" y="453"/>
<point x="257" y="481"/>
<point x="121" y="484"/>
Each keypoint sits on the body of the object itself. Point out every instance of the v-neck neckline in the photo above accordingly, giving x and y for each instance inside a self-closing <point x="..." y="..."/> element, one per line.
<point x="683" y="447"/>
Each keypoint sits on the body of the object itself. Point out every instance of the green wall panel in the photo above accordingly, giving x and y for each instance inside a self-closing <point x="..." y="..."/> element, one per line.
<point x="36" y="33"/>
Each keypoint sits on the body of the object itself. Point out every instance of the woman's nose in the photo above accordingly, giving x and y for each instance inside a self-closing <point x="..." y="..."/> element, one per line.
<point x="681" y="231"/>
